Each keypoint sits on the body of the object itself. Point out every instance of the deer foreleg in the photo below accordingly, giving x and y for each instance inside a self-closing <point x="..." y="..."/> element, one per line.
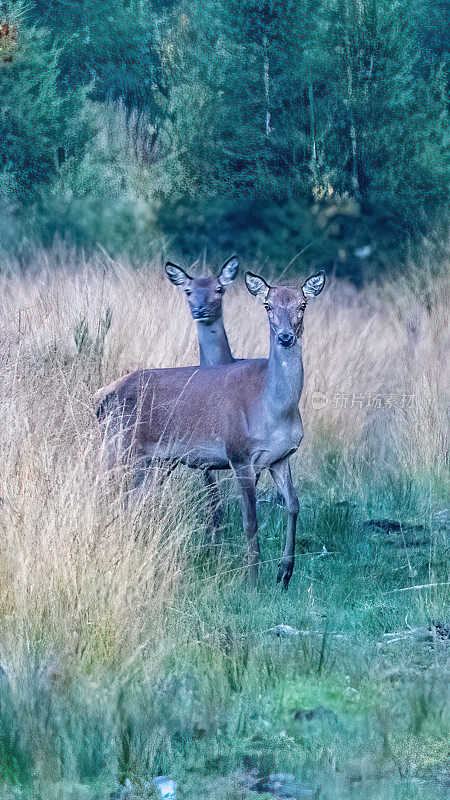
<point x="281" y="474"/>
<point x="246" y="480"/>
<point x="214" y="525"/>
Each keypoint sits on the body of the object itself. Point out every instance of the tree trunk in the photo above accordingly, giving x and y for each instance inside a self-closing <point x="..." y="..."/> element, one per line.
<point x="355" y="178"/>
<point x="268" y="128"/>
<point x="313" y="136"/>
<point x="353" y="136"/>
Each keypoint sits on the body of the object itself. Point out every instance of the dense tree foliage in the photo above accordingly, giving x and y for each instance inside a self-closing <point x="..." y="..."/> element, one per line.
<point x="262" y="125"/>
<point x="39" y="127"/>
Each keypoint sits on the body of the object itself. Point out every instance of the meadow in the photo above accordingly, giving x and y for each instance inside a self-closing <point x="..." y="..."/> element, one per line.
<point x="129" y="648"/>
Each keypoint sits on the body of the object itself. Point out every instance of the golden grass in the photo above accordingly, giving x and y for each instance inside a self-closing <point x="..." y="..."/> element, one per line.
<point x="79" y="572"/>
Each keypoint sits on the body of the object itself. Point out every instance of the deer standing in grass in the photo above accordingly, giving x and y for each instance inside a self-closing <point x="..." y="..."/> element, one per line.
<point x="242" y="416"/>
<point x="204" y="296"/>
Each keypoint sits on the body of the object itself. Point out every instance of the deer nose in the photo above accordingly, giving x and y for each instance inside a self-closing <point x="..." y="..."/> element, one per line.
<point x="286" y="338"/>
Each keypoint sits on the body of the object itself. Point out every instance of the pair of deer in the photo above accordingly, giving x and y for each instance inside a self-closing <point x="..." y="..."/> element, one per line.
<point x="227" y="413"/>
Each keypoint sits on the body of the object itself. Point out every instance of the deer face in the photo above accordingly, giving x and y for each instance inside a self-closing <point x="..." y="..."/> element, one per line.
<point x="285" y="305"/>
<point x="205" y="294"/>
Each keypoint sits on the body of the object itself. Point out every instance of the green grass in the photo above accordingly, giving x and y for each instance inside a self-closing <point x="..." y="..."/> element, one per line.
<point x="213" y="694"/>
<point x="132" y="649"/>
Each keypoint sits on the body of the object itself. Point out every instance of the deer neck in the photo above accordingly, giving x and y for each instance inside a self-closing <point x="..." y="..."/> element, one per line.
<point x="284" y="377"/>
<point x="213" y="344"/>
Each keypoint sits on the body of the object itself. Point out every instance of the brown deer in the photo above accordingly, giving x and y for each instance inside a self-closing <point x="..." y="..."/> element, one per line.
<point x="242" y="416"/>
<point x="204" y="296"/>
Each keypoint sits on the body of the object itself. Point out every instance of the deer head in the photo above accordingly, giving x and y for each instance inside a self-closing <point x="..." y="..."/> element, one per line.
<point x="204" y="294"/>
<point x="285" y="305"/>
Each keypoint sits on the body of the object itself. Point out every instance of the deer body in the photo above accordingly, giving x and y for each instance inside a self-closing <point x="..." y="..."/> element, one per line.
<point x="210" y="418"/>
<point x="242" y="416"/>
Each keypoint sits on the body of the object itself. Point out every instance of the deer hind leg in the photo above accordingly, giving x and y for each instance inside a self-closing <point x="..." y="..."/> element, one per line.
<point x="144" y="475"/>
<point x="246" y="479"/>
<point x="148" y="475"/>
<point x="214" y="503"/>
<point x="110" y="456"/>
<point x="281" y="474"/>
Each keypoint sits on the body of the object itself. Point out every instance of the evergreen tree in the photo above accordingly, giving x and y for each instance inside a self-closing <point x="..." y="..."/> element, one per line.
<point x="381" y="147"/>
<point x="109" y="46"/>
<point x="277" y="104"/>
<point x="242" y="122"/>
<point x="225" y="123"/>
<point x="39" y="127"/>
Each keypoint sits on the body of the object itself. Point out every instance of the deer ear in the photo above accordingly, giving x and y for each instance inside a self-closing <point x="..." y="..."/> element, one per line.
<point x="313" y="285"/>
<point x="176" y="275"/>
<point x="229" y="271"/>
<point x="257" y="286"/>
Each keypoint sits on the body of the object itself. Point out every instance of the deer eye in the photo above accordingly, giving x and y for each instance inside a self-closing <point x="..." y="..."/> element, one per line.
<point x="219" y="289"/>
<point x="188" y="292"/>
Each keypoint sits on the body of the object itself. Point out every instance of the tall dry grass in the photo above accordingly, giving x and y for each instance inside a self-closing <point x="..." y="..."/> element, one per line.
<point x="80" y="575"/>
